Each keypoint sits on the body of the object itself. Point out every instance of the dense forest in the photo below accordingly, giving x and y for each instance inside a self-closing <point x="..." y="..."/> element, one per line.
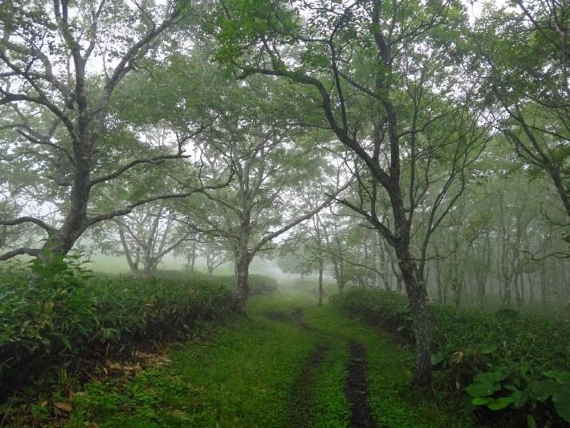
<point x="415" y="153"/>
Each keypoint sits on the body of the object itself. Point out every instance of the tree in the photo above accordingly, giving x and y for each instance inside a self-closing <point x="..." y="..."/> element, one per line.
<point x="215" y="252"/>
<point x="270" y="161"/>
<point x="528" y="100"/>
<point x="61" y="64"/>
<point x="310" y="246"/>
<point x="144" y="237"/>
<point x="269" y="154"/>
<point x="292" y="260"/>
<point x="382" y="79"/>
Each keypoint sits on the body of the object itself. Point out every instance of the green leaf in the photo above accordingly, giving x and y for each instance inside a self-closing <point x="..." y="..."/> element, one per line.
<point x="558" y="376"/>
<point x="519" y="398"/>
<point x="530" y="421"/>
<point x="437" y="358"/>
<point x="481" y="389"/>
<point x="542" y="390"/>
<point x="500" y="403"/>
<point x="487" y="349"/>
<point x="481" y="401"/>
<point x="65" y="342"/>
<point x="561" y="400"/>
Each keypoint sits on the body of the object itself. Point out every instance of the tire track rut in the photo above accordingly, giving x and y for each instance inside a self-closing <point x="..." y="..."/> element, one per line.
<point x="356" y="388"/>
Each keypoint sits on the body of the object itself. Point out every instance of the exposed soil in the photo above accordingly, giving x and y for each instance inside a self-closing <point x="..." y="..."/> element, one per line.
<point x="302" y="391"/>
<point x="356" y="389"/>
<point x="297" y="318"/>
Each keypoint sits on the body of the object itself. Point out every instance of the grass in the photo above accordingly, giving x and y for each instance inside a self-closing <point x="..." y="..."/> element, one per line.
<point x="240" y="376"/>
<point x="520" y="354"/>
<point x="389" y="372"/>
<point x="222" y="382"/>
<point x="243" y="374"/>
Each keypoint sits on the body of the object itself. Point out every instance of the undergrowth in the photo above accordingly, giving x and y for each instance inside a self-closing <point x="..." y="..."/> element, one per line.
<point x="240" y="377"/>
<point x="244" y="373"/>
<point x="392" y="402"/>
<point x="59" y="322"/>
<point x="510" y="369"/>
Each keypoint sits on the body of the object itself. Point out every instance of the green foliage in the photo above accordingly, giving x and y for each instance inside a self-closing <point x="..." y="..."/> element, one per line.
<point x="245" y="374"/>
<point x="55" y="314"/>
<point x="329" y="406"/>
<point x="512" y="388"/>
<point x="241" y="376"/>
<point x="262" y="284"/>
<point x="389" y="309"/>
<point x="392" y="402"/>
<point x="504" y="361"/>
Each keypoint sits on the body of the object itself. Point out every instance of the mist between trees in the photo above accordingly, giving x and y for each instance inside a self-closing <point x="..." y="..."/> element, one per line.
<point x="399" y="145"/>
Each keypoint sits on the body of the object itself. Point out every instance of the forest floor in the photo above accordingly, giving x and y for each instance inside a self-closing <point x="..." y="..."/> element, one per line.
<point x="290" y="363"/>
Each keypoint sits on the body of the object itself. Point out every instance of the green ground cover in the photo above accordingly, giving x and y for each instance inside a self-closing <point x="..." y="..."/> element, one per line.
<point x="167" y="351"/>
<point x="243" y="375"/>
<point x="508" y="369"/>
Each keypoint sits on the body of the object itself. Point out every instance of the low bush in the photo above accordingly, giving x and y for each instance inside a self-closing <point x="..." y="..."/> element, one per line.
<point x="386" y="309"/>
<point x="54" y="315"/>
<point x="262" y="284"/>
<point x="513" y="368"/>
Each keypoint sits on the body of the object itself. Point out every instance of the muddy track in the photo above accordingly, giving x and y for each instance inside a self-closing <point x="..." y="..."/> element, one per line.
<point x="302" y="391"/>
<point x="356" y="389"/>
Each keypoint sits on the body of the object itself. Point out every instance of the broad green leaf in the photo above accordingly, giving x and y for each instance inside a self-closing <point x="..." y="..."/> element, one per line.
<point x="481" y="401"/>
<point x="561" y="400"/>
<point x="519" y="398"/>
<point x="482" y="388"/>
<point x="488" y="349"/>
<point x="437" y="358"/>
<point x="500" y="403"/>
<point x="542" y="390"/>
<point x="559" y="376"/>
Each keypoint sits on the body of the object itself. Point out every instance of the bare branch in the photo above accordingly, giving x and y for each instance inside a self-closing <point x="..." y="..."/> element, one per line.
<point x="330" y="198"/>
<point x="34" y="252"/>
<point x="24" y="220"/>
<point x="129" y="208"/>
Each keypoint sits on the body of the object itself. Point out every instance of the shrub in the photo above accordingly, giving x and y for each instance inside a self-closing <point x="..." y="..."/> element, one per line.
<point x="56" y="314"/>
<point x="387" y="309"/>
<point x="261" y="284"/>
<point x="507" y="364"/>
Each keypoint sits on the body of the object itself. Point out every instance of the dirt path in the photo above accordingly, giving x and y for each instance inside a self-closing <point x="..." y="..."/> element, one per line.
<point x="302" y="391"/>
<point x="356" y="389"/>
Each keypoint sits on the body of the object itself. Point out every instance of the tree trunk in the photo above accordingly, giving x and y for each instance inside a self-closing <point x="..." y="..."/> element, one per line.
<point x="439" y="282"/>
<point x="543" y="286"/>
<point x="517" y="290"/>
<point x="421" y="316"/>
<point x="456" y="287"/>
<point x="241" y="292"/>
<point x="397" y="273"/>
<point x="337" y="274"/>
<point x="481" y="290"/>
<point x="321" y="269"/>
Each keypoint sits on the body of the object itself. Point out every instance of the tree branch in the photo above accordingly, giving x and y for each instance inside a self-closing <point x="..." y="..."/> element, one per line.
<point x="23" y="220"/>
<point x="34" y="252"/>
